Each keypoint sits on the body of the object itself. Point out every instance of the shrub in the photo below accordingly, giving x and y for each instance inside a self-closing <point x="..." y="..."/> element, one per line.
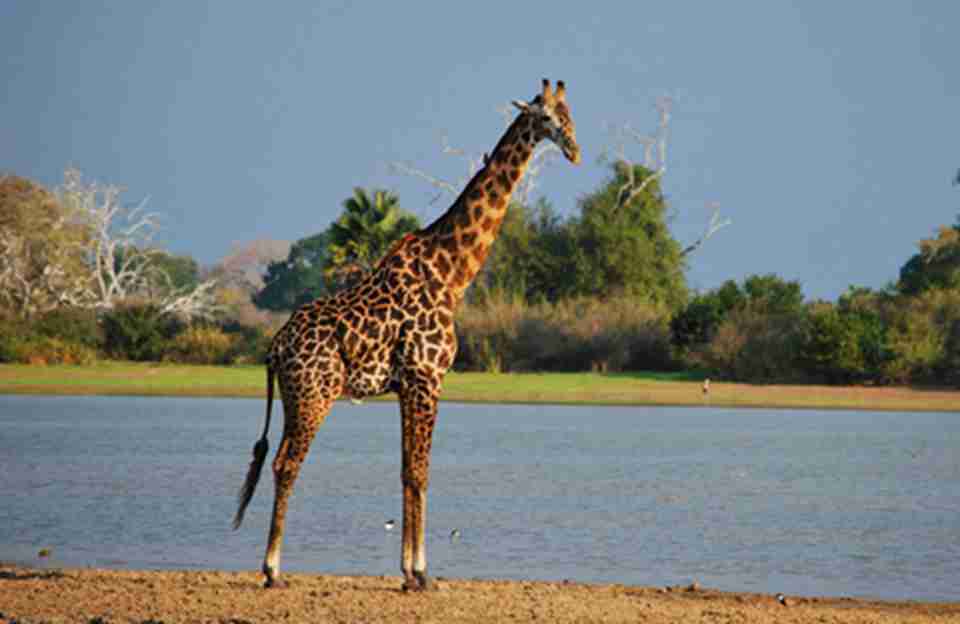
<point x="200" y="345"/>
<point x="75" y="325"/>
<point x="13" y="332"/>
<point x="42" y="350"/>
<point x="757" y="346"/>
<point x="138" y="331"/>
<point x="573" y="335"/>
<point x="46" y="350"/>
<point x="921" y="337"/>
<point x="251" y="343"/>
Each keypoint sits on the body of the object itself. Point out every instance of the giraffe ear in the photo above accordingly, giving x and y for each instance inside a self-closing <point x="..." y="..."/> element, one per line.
<point x="522" y="105"/>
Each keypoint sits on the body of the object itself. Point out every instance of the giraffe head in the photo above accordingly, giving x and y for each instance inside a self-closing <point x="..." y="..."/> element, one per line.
<point x="551" y="119"/>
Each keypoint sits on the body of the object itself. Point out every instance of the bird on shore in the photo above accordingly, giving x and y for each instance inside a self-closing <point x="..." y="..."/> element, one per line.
<point x="389" y="524"/>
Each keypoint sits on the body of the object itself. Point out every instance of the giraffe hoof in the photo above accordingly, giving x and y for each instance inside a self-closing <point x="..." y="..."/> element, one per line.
<point x="419" y="583"/>
<point x="272" y="582"/>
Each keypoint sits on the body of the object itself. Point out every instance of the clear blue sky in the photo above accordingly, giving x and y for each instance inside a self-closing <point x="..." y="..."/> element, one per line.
<point x="828" y="131"/>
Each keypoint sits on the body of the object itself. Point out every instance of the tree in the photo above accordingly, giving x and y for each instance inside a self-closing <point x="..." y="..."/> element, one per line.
<point x="627" y="248"/>
<point x="655" y="165"/>
<point x="773" y="294"/>
<point x="41" y="261"/>
<point x="123" y="263"/>
<point x="247" y="263"/>
<point x="169" y="272"/>
<point x="937" y="265"/>
<point x="697" y="323"/>
<point x="299" y="278"/>
<point x="922" y="337"/>
<point x="363" y="233"/>
<point x="842" y="344"/>
<point x="529" y="258"/>
<point x="756" y="346"/>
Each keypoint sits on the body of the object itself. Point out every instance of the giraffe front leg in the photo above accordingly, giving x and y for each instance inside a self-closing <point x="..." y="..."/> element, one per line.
<point x="419" y="416"/>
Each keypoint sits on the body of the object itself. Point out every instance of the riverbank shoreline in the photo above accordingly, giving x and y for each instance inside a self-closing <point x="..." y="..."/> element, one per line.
<point x="635" y="389"/>
<point x="30" y="595"/>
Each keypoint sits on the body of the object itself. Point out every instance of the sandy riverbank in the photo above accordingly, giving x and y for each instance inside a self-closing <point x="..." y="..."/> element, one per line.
<point x="82" y="595"/>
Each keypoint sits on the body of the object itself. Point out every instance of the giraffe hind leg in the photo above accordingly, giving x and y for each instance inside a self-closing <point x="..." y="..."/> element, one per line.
<point x="301" y="425"/>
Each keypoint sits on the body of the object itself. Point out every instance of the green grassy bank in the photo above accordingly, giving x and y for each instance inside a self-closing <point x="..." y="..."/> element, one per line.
<point x="126" y="378"/>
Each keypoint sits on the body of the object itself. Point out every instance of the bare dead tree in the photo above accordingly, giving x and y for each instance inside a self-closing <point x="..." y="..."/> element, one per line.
<point x="655" y="160"/>
<point x="120" y="252"/>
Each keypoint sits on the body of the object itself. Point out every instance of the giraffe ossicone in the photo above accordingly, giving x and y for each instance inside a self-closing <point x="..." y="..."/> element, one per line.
<point x="393" y="332"/>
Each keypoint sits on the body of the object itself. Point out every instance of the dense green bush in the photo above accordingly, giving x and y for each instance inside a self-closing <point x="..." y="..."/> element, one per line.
<point x="922" y="337"/>
<point x="138" y="331"/>
<point x="756" y="346"/>
<point x="251" y="343"/>
<point x="13" y="331"/>
<point x="843" y="345"/>
<point x="75" y="325"/>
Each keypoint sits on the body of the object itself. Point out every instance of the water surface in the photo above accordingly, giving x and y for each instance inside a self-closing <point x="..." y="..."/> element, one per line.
<point x="804" y="502"/>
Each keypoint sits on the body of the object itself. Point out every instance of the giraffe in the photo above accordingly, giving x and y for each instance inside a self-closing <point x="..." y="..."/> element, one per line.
<point x="393" y="332"/>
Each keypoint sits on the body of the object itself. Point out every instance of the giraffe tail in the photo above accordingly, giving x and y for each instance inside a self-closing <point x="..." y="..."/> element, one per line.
<point x="259" y="456"/>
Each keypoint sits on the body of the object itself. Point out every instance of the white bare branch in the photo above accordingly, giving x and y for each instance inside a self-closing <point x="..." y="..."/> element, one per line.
<point x="197" y="302"/>
<point x="714" y="226"/>
<point x="438" y="183"/>
<point x="121" y="254"/>
<point x="543" y="156"/>
<point x="654" y="152"/>
<point x="654" y="160"/>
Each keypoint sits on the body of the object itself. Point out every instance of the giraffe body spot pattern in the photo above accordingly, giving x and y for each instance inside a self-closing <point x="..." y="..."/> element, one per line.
<point x="393" y="332"/>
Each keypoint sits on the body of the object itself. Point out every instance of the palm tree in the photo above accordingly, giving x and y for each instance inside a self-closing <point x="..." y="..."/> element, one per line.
<point x="365" y="230"/>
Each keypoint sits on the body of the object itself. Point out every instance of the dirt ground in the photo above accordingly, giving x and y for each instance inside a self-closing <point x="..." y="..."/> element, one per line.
<point x="107" y="596"/>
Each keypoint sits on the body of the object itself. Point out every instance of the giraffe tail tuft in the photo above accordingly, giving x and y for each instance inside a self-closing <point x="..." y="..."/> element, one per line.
<point x="256" y="464"/>
<point x="253" y="476"/>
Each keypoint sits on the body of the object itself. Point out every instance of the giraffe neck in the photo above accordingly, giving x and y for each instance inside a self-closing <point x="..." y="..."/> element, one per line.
<point x="463" y="235"/>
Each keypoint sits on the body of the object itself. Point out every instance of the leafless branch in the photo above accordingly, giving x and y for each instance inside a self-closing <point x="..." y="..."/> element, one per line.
<point x="543" y="156"/>
<point x="197" y="302"/>
<point x="120" y="252"/>
<point x="715" y="225"/>
<point x="654" y="160"/>
<point x="654" y="152"/>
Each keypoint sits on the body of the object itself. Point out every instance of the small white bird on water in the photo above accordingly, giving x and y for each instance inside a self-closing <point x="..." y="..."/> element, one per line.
<point x="389" y="524"/>
<point x="455" y="534"/>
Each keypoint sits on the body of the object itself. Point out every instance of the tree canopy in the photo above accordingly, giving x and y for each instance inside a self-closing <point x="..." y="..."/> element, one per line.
<point x="626" y="247"/>
<point x="299" y="278"/>
<point x="42" y="263"/>
<point x="936" y="265"/>
<point x="367" y="226"/>
<point x="322" y="263"/>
